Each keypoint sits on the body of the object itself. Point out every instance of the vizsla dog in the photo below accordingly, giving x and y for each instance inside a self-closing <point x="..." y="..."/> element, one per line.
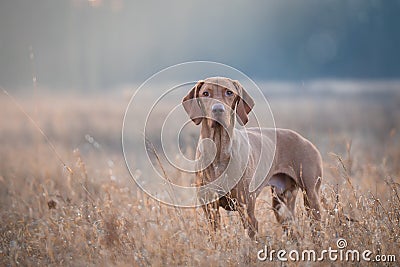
<point x="218" y="103"/>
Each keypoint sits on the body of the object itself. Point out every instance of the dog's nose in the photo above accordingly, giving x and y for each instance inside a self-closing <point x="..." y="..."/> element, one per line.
<point x="218" y="108"/>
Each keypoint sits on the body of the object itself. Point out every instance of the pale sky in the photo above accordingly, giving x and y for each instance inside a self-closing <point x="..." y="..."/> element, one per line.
<point x="103" y="44"/>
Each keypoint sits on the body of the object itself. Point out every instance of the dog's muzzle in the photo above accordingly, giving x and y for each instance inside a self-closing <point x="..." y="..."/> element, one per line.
<point x="218" y="109"/>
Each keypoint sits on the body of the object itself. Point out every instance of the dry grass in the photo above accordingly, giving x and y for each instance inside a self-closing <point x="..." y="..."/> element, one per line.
<point x="96" y="215"/>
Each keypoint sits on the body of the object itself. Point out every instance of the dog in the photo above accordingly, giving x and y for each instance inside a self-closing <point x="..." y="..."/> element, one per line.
<point x="219" y="103"/>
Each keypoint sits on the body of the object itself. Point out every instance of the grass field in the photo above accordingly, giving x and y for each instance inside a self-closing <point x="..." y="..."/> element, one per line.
<point x="89" y="211"/>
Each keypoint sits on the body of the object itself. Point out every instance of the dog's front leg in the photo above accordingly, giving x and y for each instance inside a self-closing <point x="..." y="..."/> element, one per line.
<point x="253" y="223"/>
<point x="248" y="217"/>
<point x="211" y="211"/>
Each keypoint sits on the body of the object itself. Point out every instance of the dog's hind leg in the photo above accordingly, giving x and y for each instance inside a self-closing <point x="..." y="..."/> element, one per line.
<point x="312" y="199"/>
<point x="284" y="192"/>
<point x="313" y="207"/>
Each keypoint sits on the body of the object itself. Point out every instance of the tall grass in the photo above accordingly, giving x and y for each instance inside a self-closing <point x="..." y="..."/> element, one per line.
<point x="94" y="214"/>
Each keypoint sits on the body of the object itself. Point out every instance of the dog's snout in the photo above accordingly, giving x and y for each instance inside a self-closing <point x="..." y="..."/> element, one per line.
<point x="218" y="108"/>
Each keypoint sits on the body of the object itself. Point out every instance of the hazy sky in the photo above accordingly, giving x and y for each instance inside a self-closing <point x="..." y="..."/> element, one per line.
<point x="102" y="44"/>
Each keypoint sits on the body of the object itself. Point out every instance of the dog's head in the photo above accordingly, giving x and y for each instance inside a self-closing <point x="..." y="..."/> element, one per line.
<point x="216" y="100"/>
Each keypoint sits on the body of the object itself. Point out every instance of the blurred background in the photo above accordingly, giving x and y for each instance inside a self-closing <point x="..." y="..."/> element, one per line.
<point x="102" y="44"/>
<point x="330" y="69"/>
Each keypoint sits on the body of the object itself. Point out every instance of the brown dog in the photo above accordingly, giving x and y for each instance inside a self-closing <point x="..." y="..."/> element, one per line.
<point x="295" y="163"/>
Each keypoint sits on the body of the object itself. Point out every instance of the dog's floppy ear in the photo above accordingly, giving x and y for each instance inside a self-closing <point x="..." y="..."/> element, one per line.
<point x="191" y="105"/>
<point x="244" y="105"/>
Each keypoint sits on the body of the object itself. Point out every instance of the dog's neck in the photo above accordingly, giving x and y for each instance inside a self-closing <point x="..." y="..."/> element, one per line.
<point x="222" y="139"/>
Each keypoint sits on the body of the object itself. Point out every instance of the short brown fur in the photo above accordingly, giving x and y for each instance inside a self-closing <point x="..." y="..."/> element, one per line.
<point x="296" y="164"/>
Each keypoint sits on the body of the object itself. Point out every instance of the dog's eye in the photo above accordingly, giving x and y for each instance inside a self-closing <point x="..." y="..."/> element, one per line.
<point x="228" y="93"/>
<point x="205" y="93"/>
